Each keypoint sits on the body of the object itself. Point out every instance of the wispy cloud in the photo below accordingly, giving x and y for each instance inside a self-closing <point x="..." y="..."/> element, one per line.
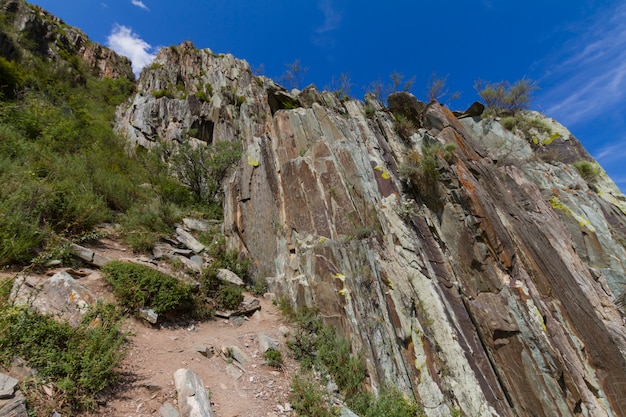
<point x="591" y="75"/>
<point x="612" y="153"/>
<point x="140" y="4"/>
<point x="125" y="42"/>
<point x="332" y="21"/>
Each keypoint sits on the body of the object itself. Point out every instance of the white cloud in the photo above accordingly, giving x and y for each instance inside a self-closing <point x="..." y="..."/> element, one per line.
<point x="139" y="4"/>
<point x="332" y="21"/>
<point x="127" y="43"/>
<point x="590" y="78"/>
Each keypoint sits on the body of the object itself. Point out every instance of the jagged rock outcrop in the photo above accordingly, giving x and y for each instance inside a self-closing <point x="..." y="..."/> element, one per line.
<point x="26" y="28"/>
<point x="491" y="290"/>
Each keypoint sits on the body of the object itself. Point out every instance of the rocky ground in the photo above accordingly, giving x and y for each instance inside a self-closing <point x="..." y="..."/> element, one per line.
<point x="241" y="385"/>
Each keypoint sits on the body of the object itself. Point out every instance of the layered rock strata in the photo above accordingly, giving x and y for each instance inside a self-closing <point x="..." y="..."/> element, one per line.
<point x="491" y="290"/>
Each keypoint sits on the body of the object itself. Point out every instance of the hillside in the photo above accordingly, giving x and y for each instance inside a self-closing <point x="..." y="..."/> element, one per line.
<point x="473" y="262"/>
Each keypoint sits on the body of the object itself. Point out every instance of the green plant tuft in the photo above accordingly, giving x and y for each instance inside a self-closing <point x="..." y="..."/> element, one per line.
<point x="589" y="171"/>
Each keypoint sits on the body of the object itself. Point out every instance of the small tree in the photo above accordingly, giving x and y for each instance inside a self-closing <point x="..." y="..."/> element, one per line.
<point x="437" y="89"/>
<point x="503" y="98"/>
<point x="341" y="85"/>
<point x="294" y="74"/>
<point x="202" y="168"/>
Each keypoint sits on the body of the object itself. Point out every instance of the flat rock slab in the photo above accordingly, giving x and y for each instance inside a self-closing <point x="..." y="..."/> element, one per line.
<point x="229" y="276"/>
<point x="7" y="386"/>
<point x="188" y="240"/>
<point x="90" y="256"/>
<point x="193" y="399"/>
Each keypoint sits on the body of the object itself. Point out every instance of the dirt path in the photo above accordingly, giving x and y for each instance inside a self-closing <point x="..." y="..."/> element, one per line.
<point x="250" y="389"/>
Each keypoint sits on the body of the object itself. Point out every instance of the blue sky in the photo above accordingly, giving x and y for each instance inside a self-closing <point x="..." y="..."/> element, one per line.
<point x="575" y="49"/>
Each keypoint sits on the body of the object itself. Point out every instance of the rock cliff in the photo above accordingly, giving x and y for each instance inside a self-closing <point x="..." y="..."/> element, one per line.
<point x="489" y="283"/>
<point x="27" y="29"/>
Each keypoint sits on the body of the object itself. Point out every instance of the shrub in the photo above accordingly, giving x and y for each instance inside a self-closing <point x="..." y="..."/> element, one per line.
<point x="144" y="224"/>
<point x="391" y="403"/>
<point x="273" y="357"/>
<point x="78" y="362"/>
<point x="136" y="286"/>
<point x="162" y="93"/>
<point x="404" y="126"/>
<point x="229" y="296"/>
<point x="309" y="399"/>
<point x="508" y="122"/>
<point x="589" y="171"/>
<point x="370" y="111"/>
<point x="504" y="98"/>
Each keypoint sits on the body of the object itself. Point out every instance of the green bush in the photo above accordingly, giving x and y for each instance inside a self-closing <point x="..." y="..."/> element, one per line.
<point x="589" y="171"/>
<point x="229" y="296"/>
<point x="136" y="286"/>
<point x="202" y="168"/>
<point x="273" y="357"/>
<point x="162" y="93"/>
<point x="79" y="362"/>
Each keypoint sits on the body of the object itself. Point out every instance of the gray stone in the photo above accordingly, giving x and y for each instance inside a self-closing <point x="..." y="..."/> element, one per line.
<point x="14" y="407"/>
<point x="188" y="240"/>
<point x="234" y="372"/>
<point x="190" y="264"/>
<point x="149" y="315"/>
<point x="168" y="410"/>
<point x="206" y="351"/>
<point x="229" y="276"/>
<point x="89" y="255"/>
<point x="238" y="355"/>
<point x="266" y="342"/>
<point x="196" y="224"/>
<point x="193" y="399"/>
<point x="7" y="386"/>
<point x="60" y="296"/>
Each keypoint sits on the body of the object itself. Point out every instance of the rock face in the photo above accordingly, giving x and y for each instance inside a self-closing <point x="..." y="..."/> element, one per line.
<point x="491" y="290"/>
<point x="30" y="29"/>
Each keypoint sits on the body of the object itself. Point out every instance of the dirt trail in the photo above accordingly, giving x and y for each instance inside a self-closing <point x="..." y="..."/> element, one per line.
<point x="249" y="390"/>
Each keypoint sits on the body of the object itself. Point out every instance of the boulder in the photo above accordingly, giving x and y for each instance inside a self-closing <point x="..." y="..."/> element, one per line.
<point x="193" y="399"/>
<point x="60" y="296"/>
<point x="475" y="109"/>
<point x="406" y="104"/>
